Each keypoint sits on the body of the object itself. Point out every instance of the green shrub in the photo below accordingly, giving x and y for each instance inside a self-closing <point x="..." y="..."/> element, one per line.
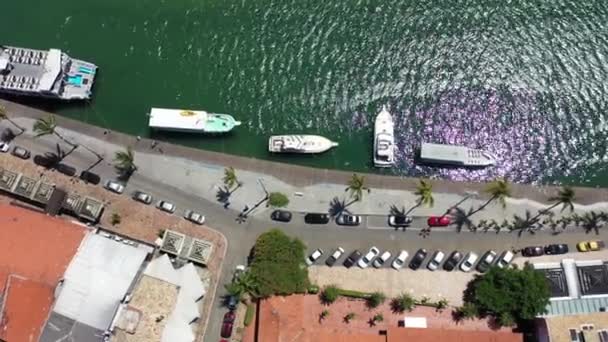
<point x="349" y="317"/>
<point x="375" y="299"/>
<point x="277" y="200"/>
<point x="378" y="318"/>
<point x="330" y="294"/>
<point x="403" y="302"/>
<point x="249" y="314"/>
<point x="313" y="289"/>
<point x="115" y="219"/>
<point x="353" y="294"/>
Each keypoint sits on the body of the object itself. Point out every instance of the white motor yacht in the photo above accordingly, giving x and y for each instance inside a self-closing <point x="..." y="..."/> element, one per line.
<point x="299" y="144"/>
<point x="456" y="155"/>
<point x="384" y="139"/>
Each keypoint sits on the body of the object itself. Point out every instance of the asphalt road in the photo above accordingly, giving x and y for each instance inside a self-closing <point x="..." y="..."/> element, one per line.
<point x="374" y="231"/>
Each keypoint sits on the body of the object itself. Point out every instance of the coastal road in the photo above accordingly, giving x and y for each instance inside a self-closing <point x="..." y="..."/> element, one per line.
<point x="241" y="236"/>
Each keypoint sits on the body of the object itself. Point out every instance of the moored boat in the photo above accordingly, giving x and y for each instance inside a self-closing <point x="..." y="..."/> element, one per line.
<point x="179" y="120"/>
<point x="455" y="155"/>
<point x="384" y="139"/>
<point x="50" y="73"/>
<point x="299" y="144"/>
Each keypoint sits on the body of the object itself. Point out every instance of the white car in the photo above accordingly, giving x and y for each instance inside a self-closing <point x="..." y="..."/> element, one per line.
<point x="114" y="186"/>
<point x="505" y="259"/>
<point x="469" y="261"/>
<point x="314" y="256"/>
<point x="382" y="259"/>
<point x="4" y="146"/>
<point x="400" y="260"/>
<point x="367" y="258"/>
<point x="166" y="206"/>
<point x="194" y="217"/>
<point x="435" y="261"/>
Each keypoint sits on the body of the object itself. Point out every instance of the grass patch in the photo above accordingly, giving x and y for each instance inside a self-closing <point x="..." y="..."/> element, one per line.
<point x="249" y="314"/>
<point x="354" y="294"/>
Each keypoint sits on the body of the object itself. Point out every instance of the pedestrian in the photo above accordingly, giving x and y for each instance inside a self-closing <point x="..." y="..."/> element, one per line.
<point x="138" y="138"/>
<point x="246" y="208"/>
<point x="154" y="143"/>
<point x="105" y="132"/>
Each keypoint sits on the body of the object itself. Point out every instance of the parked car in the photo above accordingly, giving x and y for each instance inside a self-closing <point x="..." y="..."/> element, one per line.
<point x="438" y="221"/>
<point x="453" y="261"/>
<point x="400" y="260"/>
<point x="316" y="218"/>
<point x="399" y="221"/>
<point x="334" y="256"/>
<point x="505" y="259"/>
<point x="227" y="324"/>
<point x="166" y="206"/>
<point x="4" y="146"/>
<point x="381" y="259"/>
<point x="43" y="161"/>
<point x="312" y="258"/>
<point x="67" y="170"/>
<point x="486" y="261"/>
<point x="281" y="215"/>
<point x="532" y="251"/>
<point x="558" y="248"/>
<point x="114" y="186"/>
<point x="367" y="258"/>
<point x="435" y="261"/>
<point x="348" y="220"/>
<point x="21" y="152"/>
<point x="194" y="217"/>
<point x="469" y="261"/>
<point x="590" y="246"/>
<point x="90" y="177"/>
<point x="142" y="197"/>
<point x="352" y="259"/>
<point x="418" y="259"/>
<point x="232" y="302"/>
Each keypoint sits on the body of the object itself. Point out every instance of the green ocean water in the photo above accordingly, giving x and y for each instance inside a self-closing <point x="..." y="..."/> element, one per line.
<point x="526" y="80"/>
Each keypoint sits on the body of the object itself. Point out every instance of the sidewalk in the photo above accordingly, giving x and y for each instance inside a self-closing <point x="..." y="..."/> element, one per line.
<point x="205" y="179"/>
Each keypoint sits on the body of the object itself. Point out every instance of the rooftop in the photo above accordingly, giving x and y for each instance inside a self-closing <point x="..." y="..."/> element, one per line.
<point x="20" y="322"/>
<point x="35" y="250"/>
<point x="559" y="327"/>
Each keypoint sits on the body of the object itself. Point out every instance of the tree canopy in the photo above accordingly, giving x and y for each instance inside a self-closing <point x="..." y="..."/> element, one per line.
<point x="509" y="294"/>
<point x="277" y="200"/>
<point x="277" y="264"/>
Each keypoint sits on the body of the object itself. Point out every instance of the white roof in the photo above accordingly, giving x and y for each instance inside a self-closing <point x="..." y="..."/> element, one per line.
<point x="97" y="279"/>
<point x="177" y="330"/>
<point x="161" y="268"/>
<point x="177" y="119"/>
<point x="52" y="68"/>
<point x="443" y="152"/>
<point x="191" y="284"/>
<point x="186" y="308"/>
<point x="414" y="322"/>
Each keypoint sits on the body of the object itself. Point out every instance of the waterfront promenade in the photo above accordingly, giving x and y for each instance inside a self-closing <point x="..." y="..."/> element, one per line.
<point x="189" y="178"/>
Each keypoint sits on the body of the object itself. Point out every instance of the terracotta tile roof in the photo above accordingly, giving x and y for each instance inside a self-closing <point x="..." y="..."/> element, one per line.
<point x="35" y="251"/>
<point x="36" y="246"/>
<point x="434" y="335"/>
<point x="26" y="307"/>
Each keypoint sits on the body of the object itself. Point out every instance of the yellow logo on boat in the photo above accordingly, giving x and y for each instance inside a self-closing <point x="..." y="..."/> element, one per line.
<point x="187" y="113"/>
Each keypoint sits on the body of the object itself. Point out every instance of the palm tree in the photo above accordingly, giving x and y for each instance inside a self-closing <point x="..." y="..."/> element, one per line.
<point x="424" y="194"/>
<point x="498" y="190"/>
<point x="124" y="162"/>
<point x="230" y="179"/>
<point x="47" y="126"/>
<point x="245" y="284"/>
<point x="565" y="197"/>
<point x="356" y="187"/>
<point x="4" y="116"/>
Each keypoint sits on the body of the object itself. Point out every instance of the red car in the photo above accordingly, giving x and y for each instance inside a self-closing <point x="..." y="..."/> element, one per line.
<point x="438" y="221"/>
<point x="227" y="324"/>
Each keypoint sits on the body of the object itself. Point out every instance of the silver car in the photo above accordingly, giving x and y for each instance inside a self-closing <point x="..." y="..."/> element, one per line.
<point x="166" y="206"/>
<point x="194" y="217"/>
<point x="114" y="186"/>
<point x="142" y="197"/>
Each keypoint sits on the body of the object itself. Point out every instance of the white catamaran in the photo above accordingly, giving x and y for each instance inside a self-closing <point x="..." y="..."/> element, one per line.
<point x="299" y="144"/>
<point x="384" y="139"/>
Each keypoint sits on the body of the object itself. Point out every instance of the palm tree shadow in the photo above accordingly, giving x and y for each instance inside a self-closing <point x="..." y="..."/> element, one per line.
<point x="223" y="194"/>
<point x="337" y="207"/>
<point x="92" y="166"/>
<point x="396" y="211"/>
<point x="461" y="219"/>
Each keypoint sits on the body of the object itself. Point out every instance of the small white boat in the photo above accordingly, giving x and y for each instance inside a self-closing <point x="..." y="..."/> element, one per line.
<point x="384" y="139"/>
<point x="456" y="155"/>
<point x="299" y="144"/>
<point x="193" y="121"/>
